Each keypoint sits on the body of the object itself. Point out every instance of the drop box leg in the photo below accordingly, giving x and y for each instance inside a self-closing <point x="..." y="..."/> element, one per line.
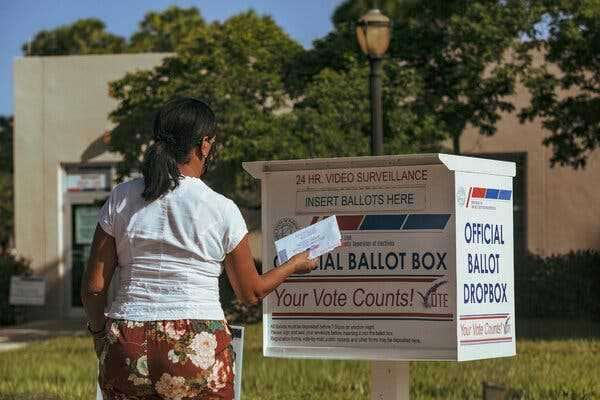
<point x="389" y="380"/>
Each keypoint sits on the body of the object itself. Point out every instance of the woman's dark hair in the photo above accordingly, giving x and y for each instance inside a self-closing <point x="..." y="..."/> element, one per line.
<point x="179" y="125"/>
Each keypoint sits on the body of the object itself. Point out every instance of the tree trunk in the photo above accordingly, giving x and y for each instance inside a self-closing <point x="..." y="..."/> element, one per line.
<point x="456" y="144"/>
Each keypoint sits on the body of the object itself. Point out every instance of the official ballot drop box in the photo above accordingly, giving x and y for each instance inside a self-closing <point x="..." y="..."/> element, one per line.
<point x="425" y="270"/>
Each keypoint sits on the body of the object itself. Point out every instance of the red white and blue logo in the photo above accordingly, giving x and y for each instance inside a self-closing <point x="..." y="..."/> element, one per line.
<point x="481" y="197"/>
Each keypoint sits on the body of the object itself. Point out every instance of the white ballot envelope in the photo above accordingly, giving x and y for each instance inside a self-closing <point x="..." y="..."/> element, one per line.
<point x="320" y="238"/>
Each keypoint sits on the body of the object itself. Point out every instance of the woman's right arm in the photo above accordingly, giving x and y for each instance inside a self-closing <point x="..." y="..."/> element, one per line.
<point x="249" y="286"/>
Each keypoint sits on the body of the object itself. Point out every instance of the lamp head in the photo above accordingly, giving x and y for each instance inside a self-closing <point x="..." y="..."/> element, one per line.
<point x="373" y="33"/>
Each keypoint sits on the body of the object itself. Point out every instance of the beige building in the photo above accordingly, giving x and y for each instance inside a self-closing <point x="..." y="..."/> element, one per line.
<point x="556" y="209"/>
<point x="63" y="172"/>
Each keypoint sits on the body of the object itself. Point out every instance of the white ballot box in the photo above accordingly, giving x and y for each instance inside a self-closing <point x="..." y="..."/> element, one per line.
<point x="425" y="266"/>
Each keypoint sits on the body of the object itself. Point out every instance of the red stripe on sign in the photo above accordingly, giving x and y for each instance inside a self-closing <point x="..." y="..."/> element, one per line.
<point x="359" y="314"/>
<point x="478" y="193"/>
<point x="500" y="339"/>
<point x="482" y="343"/>
<point x="484" y="316"/>
<point x="349" y="222"/>
<point x="304" y="280"/>
<point x="371" y="276"/>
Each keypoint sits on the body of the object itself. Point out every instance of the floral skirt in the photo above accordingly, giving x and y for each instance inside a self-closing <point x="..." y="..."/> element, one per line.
<point x="174" y="360"/>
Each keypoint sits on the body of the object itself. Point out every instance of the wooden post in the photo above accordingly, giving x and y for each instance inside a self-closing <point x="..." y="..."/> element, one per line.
<point x="389" y="380"/>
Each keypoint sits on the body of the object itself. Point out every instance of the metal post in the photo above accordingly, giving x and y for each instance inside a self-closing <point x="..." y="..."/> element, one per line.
<point x="389" y="380"/>
<point x="376" y="108"/>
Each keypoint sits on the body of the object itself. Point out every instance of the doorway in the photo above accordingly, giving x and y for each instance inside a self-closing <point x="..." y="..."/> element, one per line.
<point x="85" y="189"/>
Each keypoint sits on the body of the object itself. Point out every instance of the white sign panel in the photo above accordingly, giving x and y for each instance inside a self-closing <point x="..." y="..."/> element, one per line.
<point x="27" y="291"/>
<point x="391" y="291"/>
<point x="85" y="182"/>
<point x="387" y="287"/>
<point x="484" y="260"/>
<point x="377" y="199"/>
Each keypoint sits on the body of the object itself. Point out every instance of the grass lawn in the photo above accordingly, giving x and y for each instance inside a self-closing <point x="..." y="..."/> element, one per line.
<point x="64" y="368"/>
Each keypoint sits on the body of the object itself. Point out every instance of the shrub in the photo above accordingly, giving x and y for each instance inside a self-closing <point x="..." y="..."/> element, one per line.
<point x="560" y="286"/>
<point x="10" y="265"/>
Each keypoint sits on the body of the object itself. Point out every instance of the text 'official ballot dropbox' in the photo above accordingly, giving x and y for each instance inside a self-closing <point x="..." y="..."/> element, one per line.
<point x="425" y="269"/>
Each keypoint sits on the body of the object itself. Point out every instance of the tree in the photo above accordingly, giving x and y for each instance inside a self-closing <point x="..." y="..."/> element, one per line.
<point x="237" y="66"/>
<point x="567" y="99"/>
<point x="6" y="211"/>
<point x="6" y="144"/>
<point x="166" y="31"/>
<point x="242" y="67"/>
<point x="333" y="117"/>
<point x="85" y="36"/>
<point x="455" y="50"/>
<point x="6" y="182"/>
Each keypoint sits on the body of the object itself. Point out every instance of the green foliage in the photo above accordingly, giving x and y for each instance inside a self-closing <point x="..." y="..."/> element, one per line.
<point x="450" y="64"/>
<point x="6" y="144"/>
<point x="349" y="12"/>
<point x="168" y="30"/>
<point x="6" y="182"/>
<point x="455" y="52"/>
<point x="84" y="36"/>
<point x="334" y="102"/>
<point x="560" y="286"/>
<point x="333" y="117"/>
<point x="65" y="369"/>
<point x="337" y="51"/>
<point x="10" y="265"/>
<point x="567" y="100"/>
<point x="6" y="210"/>
<point x="242" y="67"/>
<point x="237" y="66"/>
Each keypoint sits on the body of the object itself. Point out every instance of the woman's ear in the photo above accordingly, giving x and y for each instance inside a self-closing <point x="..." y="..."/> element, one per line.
<point x="205" y="147"/>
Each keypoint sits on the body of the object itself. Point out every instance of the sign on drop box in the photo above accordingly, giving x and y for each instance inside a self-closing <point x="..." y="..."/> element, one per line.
<point x="425" y="270"/>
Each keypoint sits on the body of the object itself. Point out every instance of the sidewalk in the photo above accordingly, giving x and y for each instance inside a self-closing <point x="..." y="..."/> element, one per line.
<point x="18" y="336"/>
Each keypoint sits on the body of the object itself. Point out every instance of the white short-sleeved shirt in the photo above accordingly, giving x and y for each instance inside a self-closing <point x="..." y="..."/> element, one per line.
<point x="170" y="251"/>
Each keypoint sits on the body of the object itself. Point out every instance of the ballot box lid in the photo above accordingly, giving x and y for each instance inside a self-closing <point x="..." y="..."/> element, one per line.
<point x="454" y="163"/>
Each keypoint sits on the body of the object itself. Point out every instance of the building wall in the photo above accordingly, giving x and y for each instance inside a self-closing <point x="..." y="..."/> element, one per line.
<point x="562" y="204"/>
<point x="61" y="112"/>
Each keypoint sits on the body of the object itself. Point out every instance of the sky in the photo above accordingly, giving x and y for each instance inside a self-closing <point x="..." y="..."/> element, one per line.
<point x="20" y="20"/>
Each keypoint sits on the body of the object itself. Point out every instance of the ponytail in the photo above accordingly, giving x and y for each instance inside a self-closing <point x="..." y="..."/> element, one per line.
<point x="179" y="126"/>
<point x="160" y="171"/>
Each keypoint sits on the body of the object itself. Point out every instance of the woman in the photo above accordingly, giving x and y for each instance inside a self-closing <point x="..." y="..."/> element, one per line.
<point x="165" y="335"/>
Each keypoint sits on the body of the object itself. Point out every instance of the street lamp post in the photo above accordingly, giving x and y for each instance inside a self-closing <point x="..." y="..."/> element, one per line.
<point x="389" y="379"/>
<point x="373" y="34"/>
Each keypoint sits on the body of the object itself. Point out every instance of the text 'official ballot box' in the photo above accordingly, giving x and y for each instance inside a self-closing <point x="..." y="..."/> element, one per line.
<point x="425" y="270"/>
